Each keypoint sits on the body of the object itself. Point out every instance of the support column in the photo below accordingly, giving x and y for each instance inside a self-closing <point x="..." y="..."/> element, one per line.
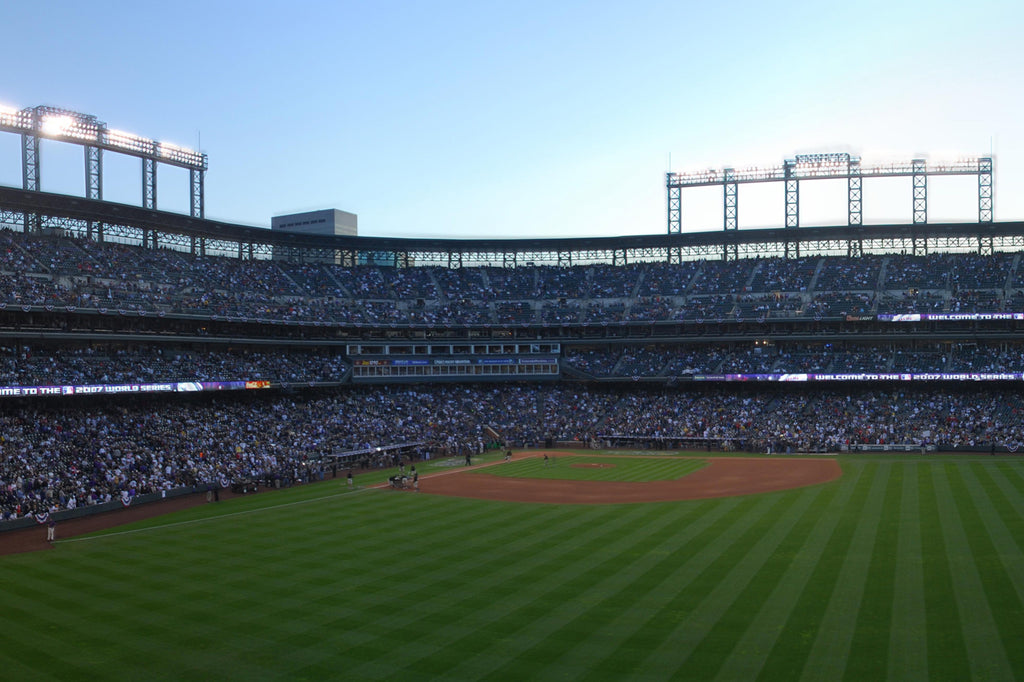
<point x="93" y="173"/>
<point x="675" y="206"/>
<point x="730" y="195"/>
<point x="985" y="198"/>
<point x="197" y="203"/>
<point x="29" y="174"/>
<point x="854" y="194"/>
<point x="148" y="183"/>
<point x="920" y="178"/>
<point x="30" y="162"/>
<point x="93" y="180"/>
<point x="792" y="195"/>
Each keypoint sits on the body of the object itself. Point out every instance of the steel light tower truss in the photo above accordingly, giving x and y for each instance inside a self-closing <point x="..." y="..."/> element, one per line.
<point x="731" y="200"/>
<point x="854" y="194"/>
<point x="148" y="183"/>
<point x="63" y="125"/>
<point x="93" y="172"/>
<point x="919" y="174"/>
<point x="822" y="167"/>
<point x="985" y="191"/>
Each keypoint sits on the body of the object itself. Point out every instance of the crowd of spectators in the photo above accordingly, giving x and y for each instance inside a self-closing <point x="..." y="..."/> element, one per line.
<point x="72" y="273"/>
<point x="63" y="456"/>
<point x="58" y="365"/>
<point x="89" y="365"/>
<point x="663" y="360"/>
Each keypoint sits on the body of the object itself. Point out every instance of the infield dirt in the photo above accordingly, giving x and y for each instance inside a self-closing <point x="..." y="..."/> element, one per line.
<point x="723" y="477"/>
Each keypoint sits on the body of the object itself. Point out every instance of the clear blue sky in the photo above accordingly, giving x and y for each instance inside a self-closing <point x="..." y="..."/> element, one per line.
<point x="466" y="119"/>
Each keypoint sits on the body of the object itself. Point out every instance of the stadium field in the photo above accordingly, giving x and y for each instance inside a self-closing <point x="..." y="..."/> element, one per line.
<point x="905" y="568"/>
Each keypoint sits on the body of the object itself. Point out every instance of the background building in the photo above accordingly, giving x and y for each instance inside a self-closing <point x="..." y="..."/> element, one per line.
<point x="327" y="222"/>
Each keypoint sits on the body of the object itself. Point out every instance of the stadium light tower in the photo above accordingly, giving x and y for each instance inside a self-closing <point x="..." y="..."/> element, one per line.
<point x="63" y="125"/>
<point x="828" y="166"/>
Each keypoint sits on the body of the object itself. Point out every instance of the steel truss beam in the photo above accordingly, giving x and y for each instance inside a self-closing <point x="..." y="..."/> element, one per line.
<point x="827" y="166"/>
<point x="30" y="162"/>
<point x="63" y="125"/>
<point x="730" y="196"/>
<point x="985" y="198"/>
<point x="854" y="194"/>
<point x="97" y="220"/>
<point x="149" y="183"/>
<point x="792" y="196"/>
<point x="198" y="203"/>
<point x="675" y="207"/>
<point x="920" y="183"/>
<point x="93" y="173"/>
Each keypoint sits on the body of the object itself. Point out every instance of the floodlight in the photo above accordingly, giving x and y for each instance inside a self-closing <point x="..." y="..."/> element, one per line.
<point x="56" y="126"/>
<point x="128" y="141"/>
<point x="169" y="149"/>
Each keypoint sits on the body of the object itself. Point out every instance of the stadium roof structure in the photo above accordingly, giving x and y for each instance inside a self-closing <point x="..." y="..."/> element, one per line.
<point x="33" y="211"/>
<point x="39" y="212"/>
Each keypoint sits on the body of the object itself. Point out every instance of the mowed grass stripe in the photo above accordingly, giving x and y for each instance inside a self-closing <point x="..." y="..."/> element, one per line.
<point x="733" y="591"/>
<point x="108" y="631"/>
<point x="1006" y="476"/>
<point x="1014" y="476"/>
<point x="985" y="654"/>
<point x="678" y="582"/>
<point x="947" y="651"/>
<point x="391" y="589"/>
<point x="240" y="582"/>
<point x="421" y="579"/>
<point x="41" y="665"/>
<point x="535" y="585"/>
<point x="99" y="612"/>
<point x="1001" y="611"/>
<point x="545" y="627"/>
<point x="653" y="574"/>
<point x="1005" y="516"/>
<point x="908" y="644"/>
<point x="800" y="596"/>
<point x="868" y="657"/>
<point x="830" y="655"/>
<point x="258" y="601"/>
<point x="592" y="580"/>
<point x="446" y="597"/>
<point x="792" y="589"/>
<point x="629" y="594"/>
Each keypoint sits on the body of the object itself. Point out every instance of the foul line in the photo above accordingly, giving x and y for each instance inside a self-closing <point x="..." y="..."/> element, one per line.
<point x="211" y="518"/>
<point x="360" y="489"/>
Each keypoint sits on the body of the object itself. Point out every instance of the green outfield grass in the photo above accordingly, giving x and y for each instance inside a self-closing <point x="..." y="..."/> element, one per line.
<point x="605" y="468"/>
<point x="903" y="569"/>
